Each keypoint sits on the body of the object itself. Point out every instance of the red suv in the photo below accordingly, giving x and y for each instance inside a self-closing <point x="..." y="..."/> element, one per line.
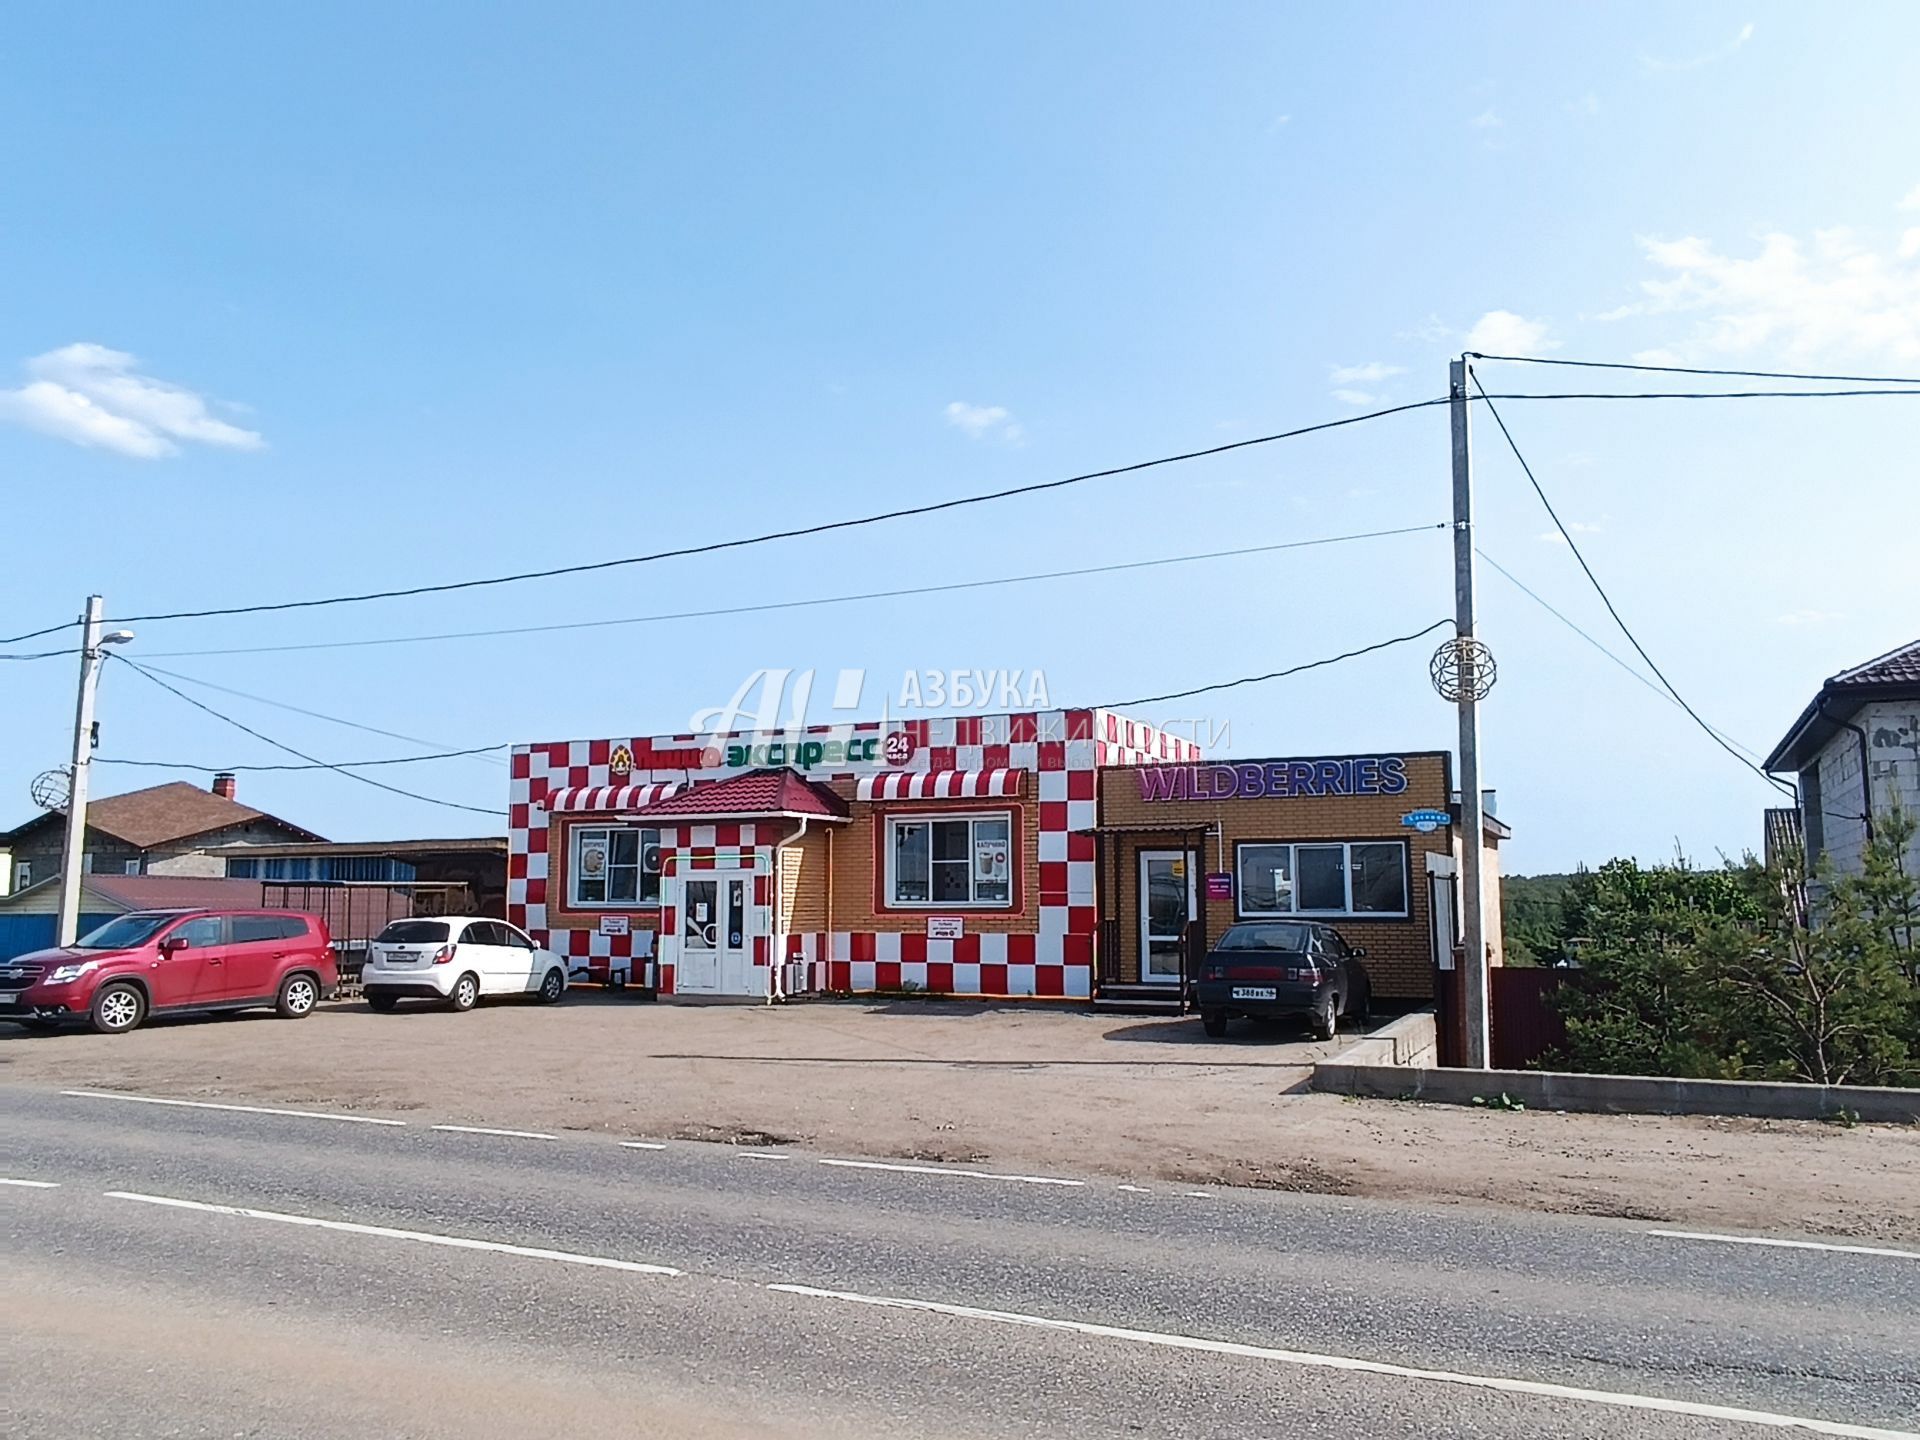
<point x="154" y="962"/>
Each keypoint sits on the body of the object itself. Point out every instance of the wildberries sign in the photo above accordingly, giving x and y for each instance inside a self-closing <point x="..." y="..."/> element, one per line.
<point x="1275" y="779"/>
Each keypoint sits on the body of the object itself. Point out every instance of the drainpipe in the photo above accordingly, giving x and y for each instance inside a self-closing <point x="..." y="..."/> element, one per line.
<point x="776" y="963"/>
<point x="1866" y="768"/>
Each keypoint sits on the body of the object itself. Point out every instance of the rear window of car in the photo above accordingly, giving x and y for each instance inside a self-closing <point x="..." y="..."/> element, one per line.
<point x="412" y="932"/>
<point x="267" y="927"/>
<point x="1266" y="937"/>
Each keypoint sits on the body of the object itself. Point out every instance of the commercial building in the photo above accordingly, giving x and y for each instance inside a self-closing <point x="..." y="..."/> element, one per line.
<point x="1073" y="854"/>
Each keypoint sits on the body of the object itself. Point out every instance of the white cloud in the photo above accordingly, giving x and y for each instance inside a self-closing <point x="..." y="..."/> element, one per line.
<point x="1577" y="527"/>
<point x="1911" y="201"/>
<point x="1486" y="120"/>
<point x="983" y="422"/>
<point x="93" y="396"/>
<point x="1808" y="617"/>
<point x="1278" y="123"/>
<point x="1501" y="332"/>
<point x="1430" y="331"/>
<point x="1793" y="299"/>
<point x="1371" y="373"/>
<point x="1654" y="62"/>
<point x="1355" y="397"/>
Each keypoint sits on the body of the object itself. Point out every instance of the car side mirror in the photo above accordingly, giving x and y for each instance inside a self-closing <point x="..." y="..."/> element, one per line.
<point x="173" y="944"/>
<point x="1358" y="952"/>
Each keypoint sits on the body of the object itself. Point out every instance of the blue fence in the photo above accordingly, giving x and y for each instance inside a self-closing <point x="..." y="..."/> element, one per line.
<point x="20" y="934"/>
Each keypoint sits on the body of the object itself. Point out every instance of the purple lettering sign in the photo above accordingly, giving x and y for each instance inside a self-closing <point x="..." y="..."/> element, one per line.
<point x="1275" y="779"/>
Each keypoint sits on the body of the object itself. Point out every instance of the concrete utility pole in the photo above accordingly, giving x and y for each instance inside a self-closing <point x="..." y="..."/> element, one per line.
<point x="1473" y="820"/>
<point x="91" y="656"/>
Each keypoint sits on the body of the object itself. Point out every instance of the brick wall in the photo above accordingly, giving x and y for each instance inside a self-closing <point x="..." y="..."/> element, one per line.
<point x="1399" y="951"/>
<point x="1893" y="768"/>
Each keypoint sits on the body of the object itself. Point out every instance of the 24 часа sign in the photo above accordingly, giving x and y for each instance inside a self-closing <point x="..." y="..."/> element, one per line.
<point x="1275" y="779"/>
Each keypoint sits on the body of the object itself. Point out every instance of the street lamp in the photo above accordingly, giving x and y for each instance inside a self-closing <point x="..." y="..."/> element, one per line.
<point x="92" y="653"/>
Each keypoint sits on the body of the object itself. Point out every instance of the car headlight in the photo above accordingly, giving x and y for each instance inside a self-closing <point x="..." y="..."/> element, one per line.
<point x="67" y="974"/>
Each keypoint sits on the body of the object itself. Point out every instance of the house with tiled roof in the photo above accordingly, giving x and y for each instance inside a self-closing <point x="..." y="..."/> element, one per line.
<point x="171" y="829"/>
<point x="1855" y="753"/>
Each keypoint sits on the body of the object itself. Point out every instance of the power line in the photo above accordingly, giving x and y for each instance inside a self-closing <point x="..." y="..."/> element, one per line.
<point x="1277" y="674"/>
<point x="279" y="745"/>
<point x="36" y="634"/>
<point x="800" y="604"/>
<point x="1606" y="600"/>
<point x="316" y="765"/>
<point x="1544" y="605"/>
<point x="1691" y="394"/>
<point x="295" y="709"/>
<point x="44" y="654"/>
<point x="1697" y="370"/>
<point x="715" y="546"/>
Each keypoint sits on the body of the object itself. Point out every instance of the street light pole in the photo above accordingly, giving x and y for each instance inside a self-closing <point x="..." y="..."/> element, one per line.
<point x="1473" y="974"/>
<point x="73" y="851"/>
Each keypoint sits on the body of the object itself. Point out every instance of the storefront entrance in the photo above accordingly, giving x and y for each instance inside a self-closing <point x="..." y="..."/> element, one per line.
<point x="713" y="911"/>
<point x="1166" y="907"/>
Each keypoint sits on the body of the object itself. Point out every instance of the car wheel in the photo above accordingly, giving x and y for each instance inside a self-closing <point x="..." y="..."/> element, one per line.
<point x="381" y="1002"/>
<point x="298" y="996"/>
<point x="552" y="988"/>
<point x="1326" y="1017"/>
<point x="465" y="993"/>
<point x="118" y="1009"/>
<point x="1214" y="1024"/>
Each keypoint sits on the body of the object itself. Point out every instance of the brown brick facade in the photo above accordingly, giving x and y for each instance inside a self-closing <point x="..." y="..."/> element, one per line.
<point x="1399" y="950"/>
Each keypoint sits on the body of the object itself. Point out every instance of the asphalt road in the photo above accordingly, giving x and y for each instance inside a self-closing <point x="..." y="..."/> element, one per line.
<point x="175" y="1271"/>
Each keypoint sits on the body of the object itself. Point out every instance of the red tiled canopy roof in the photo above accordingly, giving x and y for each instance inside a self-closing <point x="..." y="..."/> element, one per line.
<point x="758" y="792"/>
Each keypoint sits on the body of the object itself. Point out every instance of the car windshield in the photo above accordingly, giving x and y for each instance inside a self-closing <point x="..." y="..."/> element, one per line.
<point x="124" y="933"/>
<point x="412" y="932"/>
<point x="1265" y="937"/>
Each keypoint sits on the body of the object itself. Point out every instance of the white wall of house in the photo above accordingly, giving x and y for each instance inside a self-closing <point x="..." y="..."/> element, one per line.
<point x="1893" y="769"/>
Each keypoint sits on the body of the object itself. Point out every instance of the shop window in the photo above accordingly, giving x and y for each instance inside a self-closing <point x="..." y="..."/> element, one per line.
<point x="1323" y="878"/>
<point x="614" y="865"/>
<point x="954" y="860"/>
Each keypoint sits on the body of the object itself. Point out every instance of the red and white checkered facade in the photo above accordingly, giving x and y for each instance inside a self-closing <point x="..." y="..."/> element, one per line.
<point x="1059" y="752"/>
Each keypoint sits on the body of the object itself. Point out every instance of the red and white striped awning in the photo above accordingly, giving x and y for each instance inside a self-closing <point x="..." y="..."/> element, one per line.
<point x="610" y="798"/>
<point x="941" y="784"/>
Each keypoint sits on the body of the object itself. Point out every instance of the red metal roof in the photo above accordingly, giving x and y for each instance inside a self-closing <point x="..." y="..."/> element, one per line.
<point x="758" y="792"/>
<point x="176" y="892"/>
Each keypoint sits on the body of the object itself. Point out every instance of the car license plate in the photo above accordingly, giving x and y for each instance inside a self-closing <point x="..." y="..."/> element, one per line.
<point x="1254" y="992"/>
<point x="401" y="957"/>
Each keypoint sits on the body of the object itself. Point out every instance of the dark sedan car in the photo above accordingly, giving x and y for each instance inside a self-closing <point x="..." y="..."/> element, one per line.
<point x="1264" y="968"/>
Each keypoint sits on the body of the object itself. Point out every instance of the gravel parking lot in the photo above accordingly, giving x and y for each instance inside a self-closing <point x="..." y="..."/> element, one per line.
<point x="1038" y="1087"/>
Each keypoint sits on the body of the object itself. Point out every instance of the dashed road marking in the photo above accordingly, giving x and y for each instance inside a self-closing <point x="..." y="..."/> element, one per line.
<point x="761" y="1155"/>
<point x="386" y="1232"/>
<point x="1618" y="1399"/>
<point x="32" y="1184"/>
<point x="1787" y="1244"/>
<point x="642" y="1145"/>
<point x="948" y="1170"/>
<point x="215" y="1105"/>
<point x="486" y="1130"/>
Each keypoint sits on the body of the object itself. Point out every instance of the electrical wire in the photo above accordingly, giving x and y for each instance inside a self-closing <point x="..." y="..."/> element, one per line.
<point x="279" y="745"/>
<point x="316" y="765"/>
<point x="1276" y="674"/>
<point x="1692" y="394"/>
<point x="1697" y="370"/>
<point x="1584" y="635"/>
<point x="297" y="709"/>
<point x="827" y="527"/>
<point x="44" y="654"/>
<point x="1606" y="600"/>
<point x="36" y="634"/>
<point x="799" y="604"/>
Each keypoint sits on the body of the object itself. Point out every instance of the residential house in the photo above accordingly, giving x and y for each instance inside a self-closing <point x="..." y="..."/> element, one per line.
<point x="171" y="829"/>
<point x="1855" y="751"/>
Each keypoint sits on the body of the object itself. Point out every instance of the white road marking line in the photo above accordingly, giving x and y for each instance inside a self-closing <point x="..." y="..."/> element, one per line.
<point x="643" y="1145"/>
<point x="1621" y="1400"/>
<point x="384" y="1232"/>
<point x="484" y="1130"/>
<point x="32" y="1184"/>
<point x="762" y="1155"/>
<point x="1787" y="1244"/>
<point x="1135" y="1189"/>
<point x="949" y="1170"/>
<point x="212" y="1105"/>
<point x="1197" y="1194"/>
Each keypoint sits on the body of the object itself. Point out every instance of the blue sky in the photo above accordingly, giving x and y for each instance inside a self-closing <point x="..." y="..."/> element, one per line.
<point x="390" y="295"/>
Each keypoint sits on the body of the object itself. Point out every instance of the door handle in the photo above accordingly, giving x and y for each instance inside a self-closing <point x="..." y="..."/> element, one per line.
<point x="213" y="962"/>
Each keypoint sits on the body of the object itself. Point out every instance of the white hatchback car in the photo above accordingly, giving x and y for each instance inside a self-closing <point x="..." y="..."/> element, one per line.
<point x="458" y="958"/>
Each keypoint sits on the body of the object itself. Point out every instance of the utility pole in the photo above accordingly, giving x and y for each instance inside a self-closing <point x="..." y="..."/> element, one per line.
<point x="1473" y="819"/>
<point x="91" y="657"/>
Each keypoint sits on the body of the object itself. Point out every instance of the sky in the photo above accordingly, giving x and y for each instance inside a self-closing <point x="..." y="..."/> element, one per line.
<point x="305" y="301"/>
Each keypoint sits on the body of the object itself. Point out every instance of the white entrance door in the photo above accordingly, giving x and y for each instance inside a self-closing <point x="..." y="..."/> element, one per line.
<point x="1446" y="932"/>
<point x="715" y="908"/>
<point x="1166" y="905"/>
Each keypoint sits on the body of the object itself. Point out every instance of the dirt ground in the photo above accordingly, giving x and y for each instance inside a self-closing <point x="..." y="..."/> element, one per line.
<point x="1048" y="1089"/>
